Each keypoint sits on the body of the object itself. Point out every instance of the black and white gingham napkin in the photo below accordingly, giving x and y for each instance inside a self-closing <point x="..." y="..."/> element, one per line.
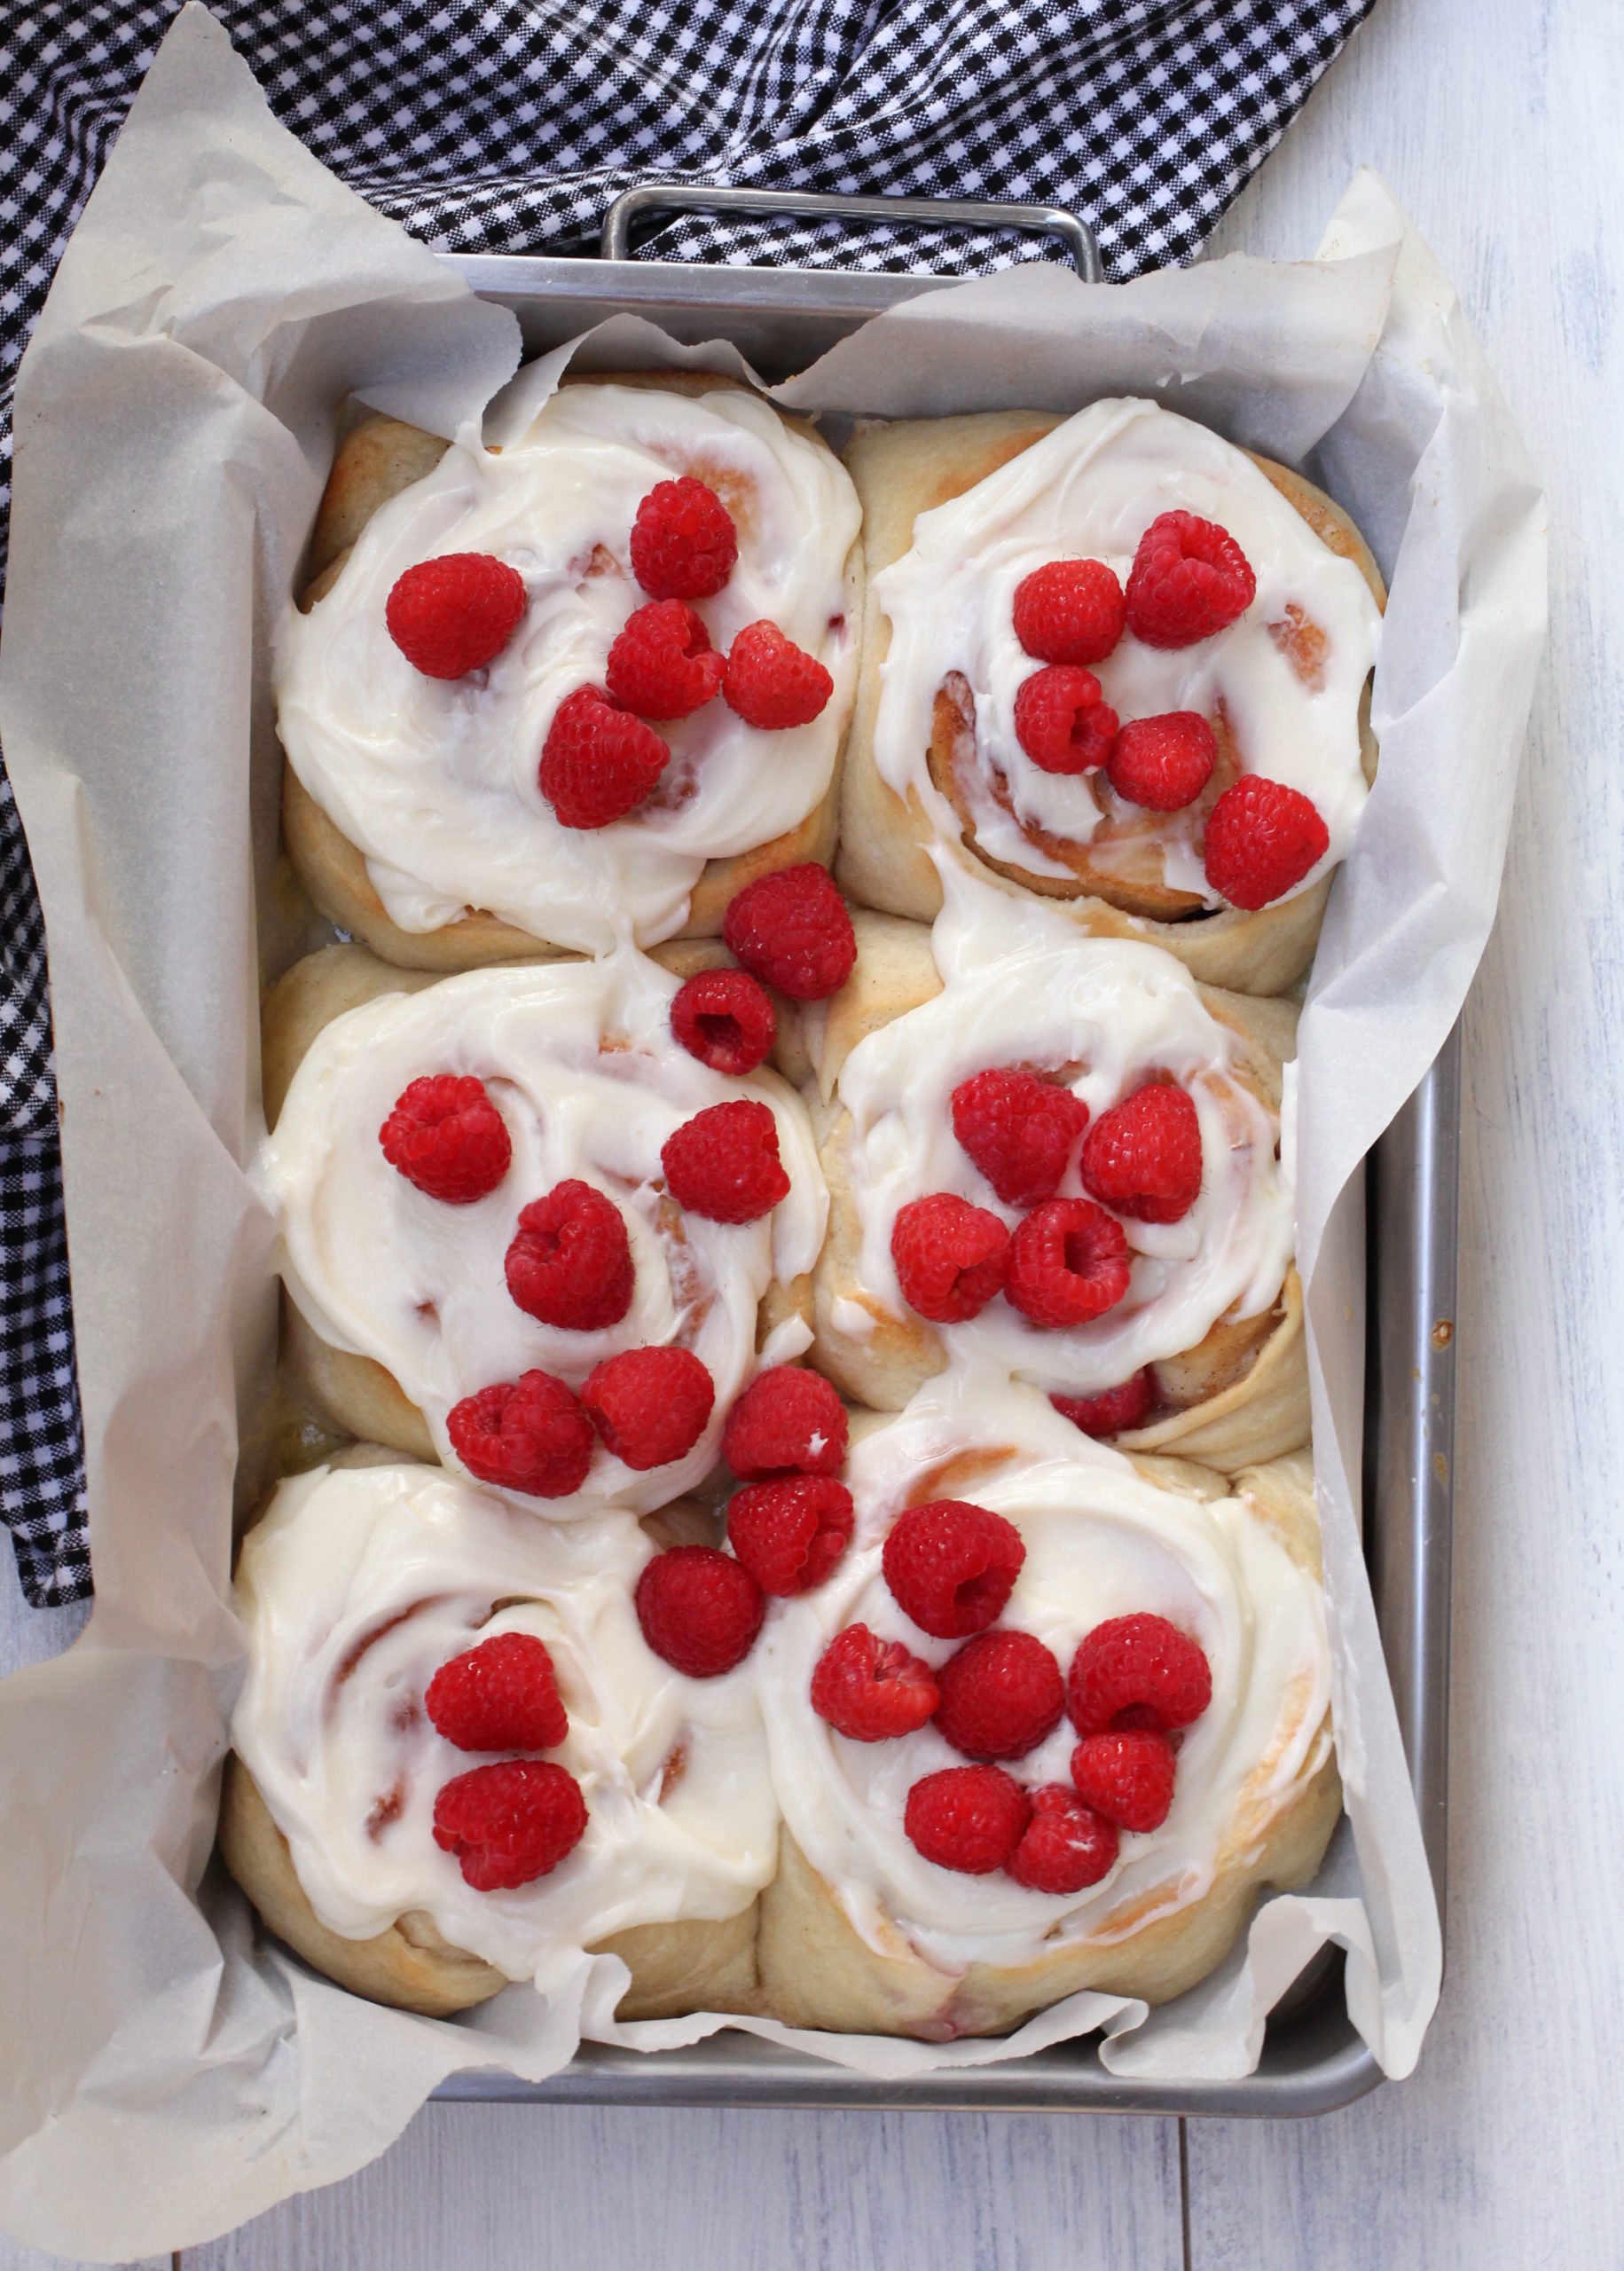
<point x="508" y="125"/>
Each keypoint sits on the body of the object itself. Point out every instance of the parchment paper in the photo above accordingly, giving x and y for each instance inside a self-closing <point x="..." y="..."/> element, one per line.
<point x="165" y="2081"/>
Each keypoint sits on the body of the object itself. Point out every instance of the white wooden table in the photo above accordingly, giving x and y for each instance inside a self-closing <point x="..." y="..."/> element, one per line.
<point x="1496" y="122"/>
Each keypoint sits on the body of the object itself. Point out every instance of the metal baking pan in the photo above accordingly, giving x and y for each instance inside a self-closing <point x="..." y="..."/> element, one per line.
<point x="1313" y="2061"/>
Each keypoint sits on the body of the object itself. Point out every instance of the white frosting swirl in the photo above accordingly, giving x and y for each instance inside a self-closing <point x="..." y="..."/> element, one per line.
<point x="1038" y="995"/>
<point x="1100" y="1543"/>
<point x="354" y="1590"/>
<point x="578" y="1058"/>
<point x="437" y="782"/>
<point x="1090" y="490"/>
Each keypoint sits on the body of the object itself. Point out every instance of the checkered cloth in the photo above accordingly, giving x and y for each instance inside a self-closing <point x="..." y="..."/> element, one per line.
<point x="508" y="125"/>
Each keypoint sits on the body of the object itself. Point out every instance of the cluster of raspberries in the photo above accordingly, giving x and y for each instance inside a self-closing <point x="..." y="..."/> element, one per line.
<point x="602" y="757"/>
<point x="1067" y="1260"/>
<point x="1190" y="580"/>
<point x="515" y="1819"/>
<point x="1134" y="1684"/>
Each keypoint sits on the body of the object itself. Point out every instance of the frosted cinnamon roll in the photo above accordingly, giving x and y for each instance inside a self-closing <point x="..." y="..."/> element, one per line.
<point x="457" y="1764"/>
<point x="583" y="688"/>
<point x="1050" y="1725"/>
<point x="1063" y="1165"/>
<point x="522" y="1229"/>
<point x="1114" y="661"/>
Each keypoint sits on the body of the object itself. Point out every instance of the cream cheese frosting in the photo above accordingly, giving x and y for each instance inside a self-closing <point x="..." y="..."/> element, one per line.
<point x="1101" y="1541"/>
<point x="1090" y="489"/>
<point x="437" y="782"/>
<point x="1021" y="987"/>
<point x="579" y="1060"/>
<point x="353" y="1590"/>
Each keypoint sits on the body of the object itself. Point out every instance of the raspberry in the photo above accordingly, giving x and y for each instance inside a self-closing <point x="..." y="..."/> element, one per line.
<point x="1062" y="723"/>
<point x="528" y="1435"/>
<point x="452" y="615"/>
<point x="1137" y="1671"/>
<point x="1261" y="840"/>
<point x="723" y="1018"/>
<point x="966" y="1818"/>
<point x="791" y="930"/>
<point x="1019" y="1130"/>
<point x="723" y="1162"/>
<point x="790" y="1532"/>
<point x="771" y="682"/>
<point x="1113" y="1409"/>
<point x="510" y="1823"/>
<point x="502" y="1695"/>
<point x="788" y="1417"/>
<point x="952" y="1567"/>
<point x="1162" y="763"/>
<point x="1001" y="1695"/>
<point x="869" y="1689"/>
<point x="951" y="1257"/>
<point x="650" y="1405"/>
<point x="1067" y="1847"/>
<point x="1143" y="1157"/>
<point x="1189" y="579"/>
<point x="1127" y="1777"/>
<point x="683" y="541"/>
<point x="1068" y="1262"/>
<point x="447" y="1137"/>
<point x="570" y="1262"/>
<point x="661" y="665"/>
<point x="699" y="1610"/>
<point x="597" y="762"/>
<point x="1069" y="611"/>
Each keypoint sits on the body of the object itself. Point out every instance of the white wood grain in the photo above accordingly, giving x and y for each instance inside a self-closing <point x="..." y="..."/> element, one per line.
<point x="504" y="2186"/>
<point x="1497" y="124"/>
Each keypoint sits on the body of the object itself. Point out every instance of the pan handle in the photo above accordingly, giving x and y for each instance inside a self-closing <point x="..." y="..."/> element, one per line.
<point x="954" y="212"/>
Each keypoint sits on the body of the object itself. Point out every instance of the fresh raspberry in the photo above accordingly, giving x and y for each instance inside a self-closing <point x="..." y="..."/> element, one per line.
<point x="1067" y="1846"/>
<point x="1143" y="1157"/>
<point x="790" y="1532"/>
<point x="787" y="1419"/>
<point x="1069" y="611"/>
<point x="502" y="1695"/>
<point x="1001" y="1695"/>
<point x="870" y="1689"/>
<point x="650" y="1405"/>
<point x="1128" y="1776"/>
<point x="447" y="1137"/>
<point x="598" y="763"/>
<point x="453" y="614"/>
<point x="773" y="683"/>
<point x="699" y="1610"/>
<point x="1068" y="1262"/>
<point x="684" y="543"/>
<point x="570" y="1262"/>
<point x="1114" y="1409"/>
<point x="1061" y="721"/>
<point x="1261" y="840"/>
<point x="1019" y="1130"/>
<point x="1190" y="578"/>
<point x="1137" y="1671"/>
<point x="951" y="1257"/>
<point x="661" y="665"/>
<point x="1162" y="763"/>
<point x="952" y="1567"/>
<point x="966" y="1818"/>
<point x="528" y="1435"/>
<point x="723" y="1018"/>
<point x="510" y="1823"/>
<point x="791" y="930"/>
<point x="723" y="1162"/>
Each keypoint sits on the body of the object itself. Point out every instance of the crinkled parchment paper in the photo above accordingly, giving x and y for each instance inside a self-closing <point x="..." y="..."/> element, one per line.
<point x="164" y="2079"/>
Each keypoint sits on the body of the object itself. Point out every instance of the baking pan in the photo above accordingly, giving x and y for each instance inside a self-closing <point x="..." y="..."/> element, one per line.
<point x="782" y="319"/>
